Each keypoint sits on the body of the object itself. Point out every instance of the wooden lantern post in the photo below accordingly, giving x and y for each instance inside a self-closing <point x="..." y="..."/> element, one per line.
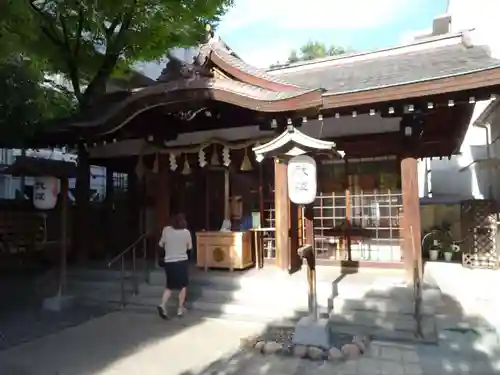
<point x="291" y="147"/>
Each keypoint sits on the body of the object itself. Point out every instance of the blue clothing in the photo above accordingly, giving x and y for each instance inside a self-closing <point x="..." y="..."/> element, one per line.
<point x="246" y="223"/>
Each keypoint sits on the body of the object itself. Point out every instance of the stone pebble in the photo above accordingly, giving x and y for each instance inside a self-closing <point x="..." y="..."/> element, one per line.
<point x="272" y="347"/>
<point x="350" y="351"/>
<point x="315" y="353"/>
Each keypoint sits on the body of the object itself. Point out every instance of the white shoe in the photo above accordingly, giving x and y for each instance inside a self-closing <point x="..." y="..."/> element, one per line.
<point x="181" y="311"/>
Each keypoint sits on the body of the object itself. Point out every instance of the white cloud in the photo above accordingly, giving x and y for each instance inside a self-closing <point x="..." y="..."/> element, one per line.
<point x="313" y="14"/>
<point x="264" y="56"/>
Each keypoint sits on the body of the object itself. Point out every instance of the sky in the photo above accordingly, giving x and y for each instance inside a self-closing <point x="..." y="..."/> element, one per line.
<point x="263" y="32"/>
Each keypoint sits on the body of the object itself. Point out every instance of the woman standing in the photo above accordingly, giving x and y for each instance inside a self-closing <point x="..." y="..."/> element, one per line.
<point x="176" y="241"/>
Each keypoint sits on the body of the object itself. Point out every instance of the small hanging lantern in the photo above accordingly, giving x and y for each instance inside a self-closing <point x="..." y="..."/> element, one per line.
<point x="202" y="158"/>
<point x="226" y="157"/>
<point x="173" y="162"/>
<point x="155" y="164"/>
<point x="45" y="192"/>
<point x="246" y="164"/>
<point x="214" y="160"/>
<point x="187" y="169"/>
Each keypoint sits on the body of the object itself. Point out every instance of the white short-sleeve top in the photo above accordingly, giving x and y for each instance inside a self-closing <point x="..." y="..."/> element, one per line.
<point x="176" y="243"/>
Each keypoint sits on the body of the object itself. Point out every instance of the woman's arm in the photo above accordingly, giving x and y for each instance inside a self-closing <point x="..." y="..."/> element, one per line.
<point x="189" y="239"/>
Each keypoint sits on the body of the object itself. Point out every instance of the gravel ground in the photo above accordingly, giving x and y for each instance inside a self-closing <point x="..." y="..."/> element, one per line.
<point x="30" y="323"/>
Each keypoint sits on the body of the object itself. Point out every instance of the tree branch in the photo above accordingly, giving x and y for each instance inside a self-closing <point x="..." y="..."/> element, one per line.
<point x="70" y="58"/>
<point x="50" y="30"/>
<point x="52" y="37"/>
<point x="112" y="27"/>
<point x="79" y="30"/>
<point x="113" y="50"/>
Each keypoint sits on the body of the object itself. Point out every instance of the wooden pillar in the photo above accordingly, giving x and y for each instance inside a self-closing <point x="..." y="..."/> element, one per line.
<point x="64" y="234"/>
<point x="412" y="252"/>
<point x="282" y="215"/>
<point x="82" y="198"/>
<point x="308" y="224"/>
<point x="295" y="261"/>
<point x="227" y="193"/>
<point x="162" y="193"/>
<point x="348" y="210"/>
<point x="109" y="207"/>
<point x="134" y="212"/>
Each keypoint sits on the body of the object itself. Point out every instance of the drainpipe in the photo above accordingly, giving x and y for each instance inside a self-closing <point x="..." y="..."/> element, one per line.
<point x="487" y="131"/>
<point x="428" y="176"/>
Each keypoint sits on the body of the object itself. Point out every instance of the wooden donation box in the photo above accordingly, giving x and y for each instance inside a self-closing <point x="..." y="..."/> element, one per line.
<point x="230" y="250"/>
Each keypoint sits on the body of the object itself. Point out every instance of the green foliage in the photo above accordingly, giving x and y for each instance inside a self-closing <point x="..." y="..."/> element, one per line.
<point x="27" y="99"/>
<point x="90" y="41"/>
<point x="313" y="50"/>
<point x="13" y="15"/>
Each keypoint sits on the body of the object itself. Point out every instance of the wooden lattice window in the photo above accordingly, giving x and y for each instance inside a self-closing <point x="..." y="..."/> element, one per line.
<point x="362" y="201"/>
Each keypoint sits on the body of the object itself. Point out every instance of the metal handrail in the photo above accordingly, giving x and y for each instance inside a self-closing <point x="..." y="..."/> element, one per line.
<point x="124" y="252"/>
<point x="121" y="256"/>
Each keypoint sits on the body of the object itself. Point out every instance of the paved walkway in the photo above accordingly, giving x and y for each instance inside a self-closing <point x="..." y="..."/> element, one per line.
<point x="129" y="344"/>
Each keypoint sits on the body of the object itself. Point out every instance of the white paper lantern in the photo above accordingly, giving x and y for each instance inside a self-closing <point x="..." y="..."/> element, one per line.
<point x="302" y="183"/>
<point x="45" y="192"/>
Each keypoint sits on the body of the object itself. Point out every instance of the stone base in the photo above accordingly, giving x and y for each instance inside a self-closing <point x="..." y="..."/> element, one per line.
<point x="58" y="303"/>
<point x="310" y="332"/>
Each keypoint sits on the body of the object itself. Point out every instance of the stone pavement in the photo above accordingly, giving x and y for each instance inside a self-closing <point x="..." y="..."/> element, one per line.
<point x="128" y="344"/>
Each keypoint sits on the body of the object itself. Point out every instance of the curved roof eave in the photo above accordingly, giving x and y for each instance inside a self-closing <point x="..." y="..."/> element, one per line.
<point x="185" y="91"/>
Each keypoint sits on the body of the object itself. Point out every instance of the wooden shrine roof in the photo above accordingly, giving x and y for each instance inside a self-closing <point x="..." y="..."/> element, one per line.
<point x="39" y="167"/>
<point x="412" y="63"/>
<point x="434" y="70"/>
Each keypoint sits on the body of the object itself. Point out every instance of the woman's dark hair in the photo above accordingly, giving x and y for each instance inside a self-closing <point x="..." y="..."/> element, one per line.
<point x="179" y="221"/>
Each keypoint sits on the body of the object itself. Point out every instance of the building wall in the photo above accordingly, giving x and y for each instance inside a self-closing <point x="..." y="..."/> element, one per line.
<point x="459" y="177"/>
<point x="462" y="177"/>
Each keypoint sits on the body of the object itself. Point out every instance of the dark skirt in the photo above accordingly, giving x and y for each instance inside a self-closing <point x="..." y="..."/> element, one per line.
<point x="176" y="274"/>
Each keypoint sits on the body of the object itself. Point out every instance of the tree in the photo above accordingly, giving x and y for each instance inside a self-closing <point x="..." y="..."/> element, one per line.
<point x="90" y="41"/>
<point x="27" y="99"/>
<point x="313" y="50"/>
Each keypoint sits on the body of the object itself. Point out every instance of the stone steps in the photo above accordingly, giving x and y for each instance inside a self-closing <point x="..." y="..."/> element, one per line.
<point x="383" y="309"/>
<point x="274" y="298"/>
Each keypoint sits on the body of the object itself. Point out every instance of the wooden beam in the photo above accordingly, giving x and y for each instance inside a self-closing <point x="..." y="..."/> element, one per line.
<point x="412" y="249"/>
<point x="282" y="213"/>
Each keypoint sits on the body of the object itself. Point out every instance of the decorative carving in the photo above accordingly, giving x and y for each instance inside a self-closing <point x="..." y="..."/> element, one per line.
<point x="177" y="69"/>
<point x="188" y="115"/>
<point x="218" y="254"/>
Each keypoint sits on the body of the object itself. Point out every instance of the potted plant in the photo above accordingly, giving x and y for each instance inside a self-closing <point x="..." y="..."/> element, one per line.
<point x="431" y="243"/>
<point x="449" y="250"/>
<point x="434" y="250"/>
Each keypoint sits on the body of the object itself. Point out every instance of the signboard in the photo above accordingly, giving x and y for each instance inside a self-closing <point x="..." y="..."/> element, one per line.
<point x="302" y="179"/>
<point x="45" y="192"/>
